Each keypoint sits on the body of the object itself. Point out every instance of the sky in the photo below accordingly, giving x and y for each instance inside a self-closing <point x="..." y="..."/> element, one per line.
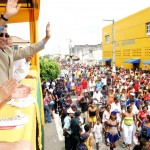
<point x="78" y="20"/>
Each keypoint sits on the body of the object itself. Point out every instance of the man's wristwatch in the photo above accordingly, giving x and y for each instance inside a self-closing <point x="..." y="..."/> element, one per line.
<point x="2" y="16"/>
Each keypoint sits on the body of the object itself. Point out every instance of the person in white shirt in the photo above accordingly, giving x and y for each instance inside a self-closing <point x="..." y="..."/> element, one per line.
<point x="97" y="96"/>
<point x="47" y="84"/>
<point x="51" y="88"/>
<point x="91" y="86"/>
<point x="67" y="129"/>
<point x="123" y="86"/>
<point x="135" y="111"/>
<point x="105" y="118"/>
<point x="104" y="80"/>
<point x="97" y="133"/>
<point x="115" y="106"/>
<point x="123" y="98"/>
<point x="106" y="114"/>
<point x="22" y="68"/>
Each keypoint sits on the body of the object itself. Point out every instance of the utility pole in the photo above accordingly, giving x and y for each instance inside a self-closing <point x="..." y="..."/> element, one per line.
<point x="70" y="50"/>
<point x="82" y="56"/>
<point x="113" y="62"/>
<point x="113" y="48"/>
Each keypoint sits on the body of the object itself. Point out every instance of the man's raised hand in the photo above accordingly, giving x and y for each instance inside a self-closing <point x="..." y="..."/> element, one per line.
<point x="12" y="8"/>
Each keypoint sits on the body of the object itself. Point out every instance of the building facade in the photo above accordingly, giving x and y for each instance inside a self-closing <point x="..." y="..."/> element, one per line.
<point x="131" y="38"/>
<point x="19" y="43"/>
<point x="90" y="54"/>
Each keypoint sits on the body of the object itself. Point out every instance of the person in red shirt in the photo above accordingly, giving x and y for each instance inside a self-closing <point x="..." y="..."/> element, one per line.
<point x="136" y="87"/>
<point x="142" y="115"/>
<point x="79" y="89"/>
<point x="84" y="84"/>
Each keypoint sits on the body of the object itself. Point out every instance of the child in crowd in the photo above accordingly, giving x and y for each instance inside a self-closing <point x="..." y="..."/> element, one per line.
<point x="47" y="114"/>
<point x="82" y="144"/>
<point x="97" y="132"/>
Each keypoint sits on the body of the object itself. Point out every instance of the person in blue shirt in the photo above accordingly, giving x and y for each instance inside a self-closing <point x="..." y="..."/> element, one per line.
<point x="68" y="85"/>
<point x="99" y="85"/>
<point x="67" y="129"/>
<point x="145" y="128"/>
<point x="132" y="97"/>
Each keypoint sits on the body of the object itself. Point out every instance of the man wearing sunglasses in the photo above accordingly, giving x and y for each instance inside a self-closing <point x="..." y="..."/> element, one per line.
<point x="8" y="56"/>
<point x="4" y="34"/>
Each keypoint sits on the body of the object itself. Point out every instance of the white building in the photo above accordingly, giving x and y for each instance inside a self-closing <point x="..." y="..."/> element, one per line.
<point x="89" y="54"/>
<point x="19" y="43"/>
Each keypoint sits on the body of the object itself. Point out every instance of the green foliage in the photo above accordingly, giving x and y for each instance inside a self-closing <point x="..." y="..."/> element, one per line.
<point x="49" y="69"/>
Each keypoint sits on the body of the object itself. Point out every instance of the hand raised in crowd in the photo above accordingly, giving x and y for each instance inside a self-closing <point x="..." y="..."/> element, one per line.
<point x="12" y="8"/>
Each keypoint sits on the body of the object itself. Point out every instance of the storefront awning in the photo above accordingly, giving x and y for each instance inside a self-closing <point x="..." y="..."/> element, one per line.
<point x="105" y="60"/>
<point x="146" y="62"/>
<point x="137" y="61"/>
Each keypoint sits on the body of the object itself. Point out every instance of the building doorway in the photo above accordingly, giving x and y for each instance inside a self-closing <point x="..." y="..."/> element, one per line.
<point x="108" y="63"/>
<point x="136" y="66"/>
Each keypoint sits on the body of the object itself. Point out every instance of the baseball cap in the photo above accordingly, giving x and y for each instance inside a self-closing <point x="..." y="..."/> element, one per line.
<point x="84" y="137"/>
<point x="74" y="106"/>
<point x="67" y="104"/>
<point x="77" y="113"/>
<point x="114" y="113"/>
<point x="132" y="94"/>
<point x="70" y="111"/>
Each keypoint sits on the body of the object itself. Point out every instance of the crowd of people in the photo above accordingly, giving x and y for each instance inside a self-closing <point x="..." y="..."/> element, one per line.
<point x="108" y="106"/>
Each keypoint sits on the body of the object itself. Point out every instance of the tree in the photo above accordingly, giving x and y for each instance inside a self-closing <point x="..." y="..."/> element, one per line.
<point x="49" y="69"/>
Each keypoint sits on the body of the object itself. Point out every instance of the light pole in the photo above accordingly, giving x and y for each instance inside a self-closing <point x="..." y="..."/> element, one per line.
<point x="70" y="50"/>
<point x="113" y="64"/>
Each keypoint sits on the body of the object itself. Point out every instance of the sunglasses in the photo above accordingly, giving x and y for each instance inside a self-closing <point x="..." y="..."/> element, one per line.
<point x="4" y="34"/>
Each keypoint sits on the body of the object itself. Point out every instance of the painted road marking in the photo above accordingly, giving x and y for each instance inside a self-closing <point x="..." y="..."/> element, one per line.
<point x="74" y="99"/>
<point x="58" y="127"/>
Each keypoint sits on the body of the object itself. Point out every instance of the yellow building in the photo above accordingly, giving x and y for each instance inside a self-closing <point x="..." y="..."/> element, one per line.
<point x="132" y="40"/>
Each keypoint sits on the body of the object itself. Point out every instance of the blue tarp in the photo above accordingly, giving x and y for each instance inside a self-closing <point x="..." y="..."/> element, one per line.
<point x="105" y="59"/>
<point x="137" y="61"/>
<point x="146" y="62"/>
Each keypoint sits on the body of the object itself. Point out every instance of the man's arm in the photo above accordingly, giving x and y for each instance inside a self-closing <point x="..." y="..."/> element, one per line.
<point x="12" y="8"/>
<point x="34" y="48"/>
